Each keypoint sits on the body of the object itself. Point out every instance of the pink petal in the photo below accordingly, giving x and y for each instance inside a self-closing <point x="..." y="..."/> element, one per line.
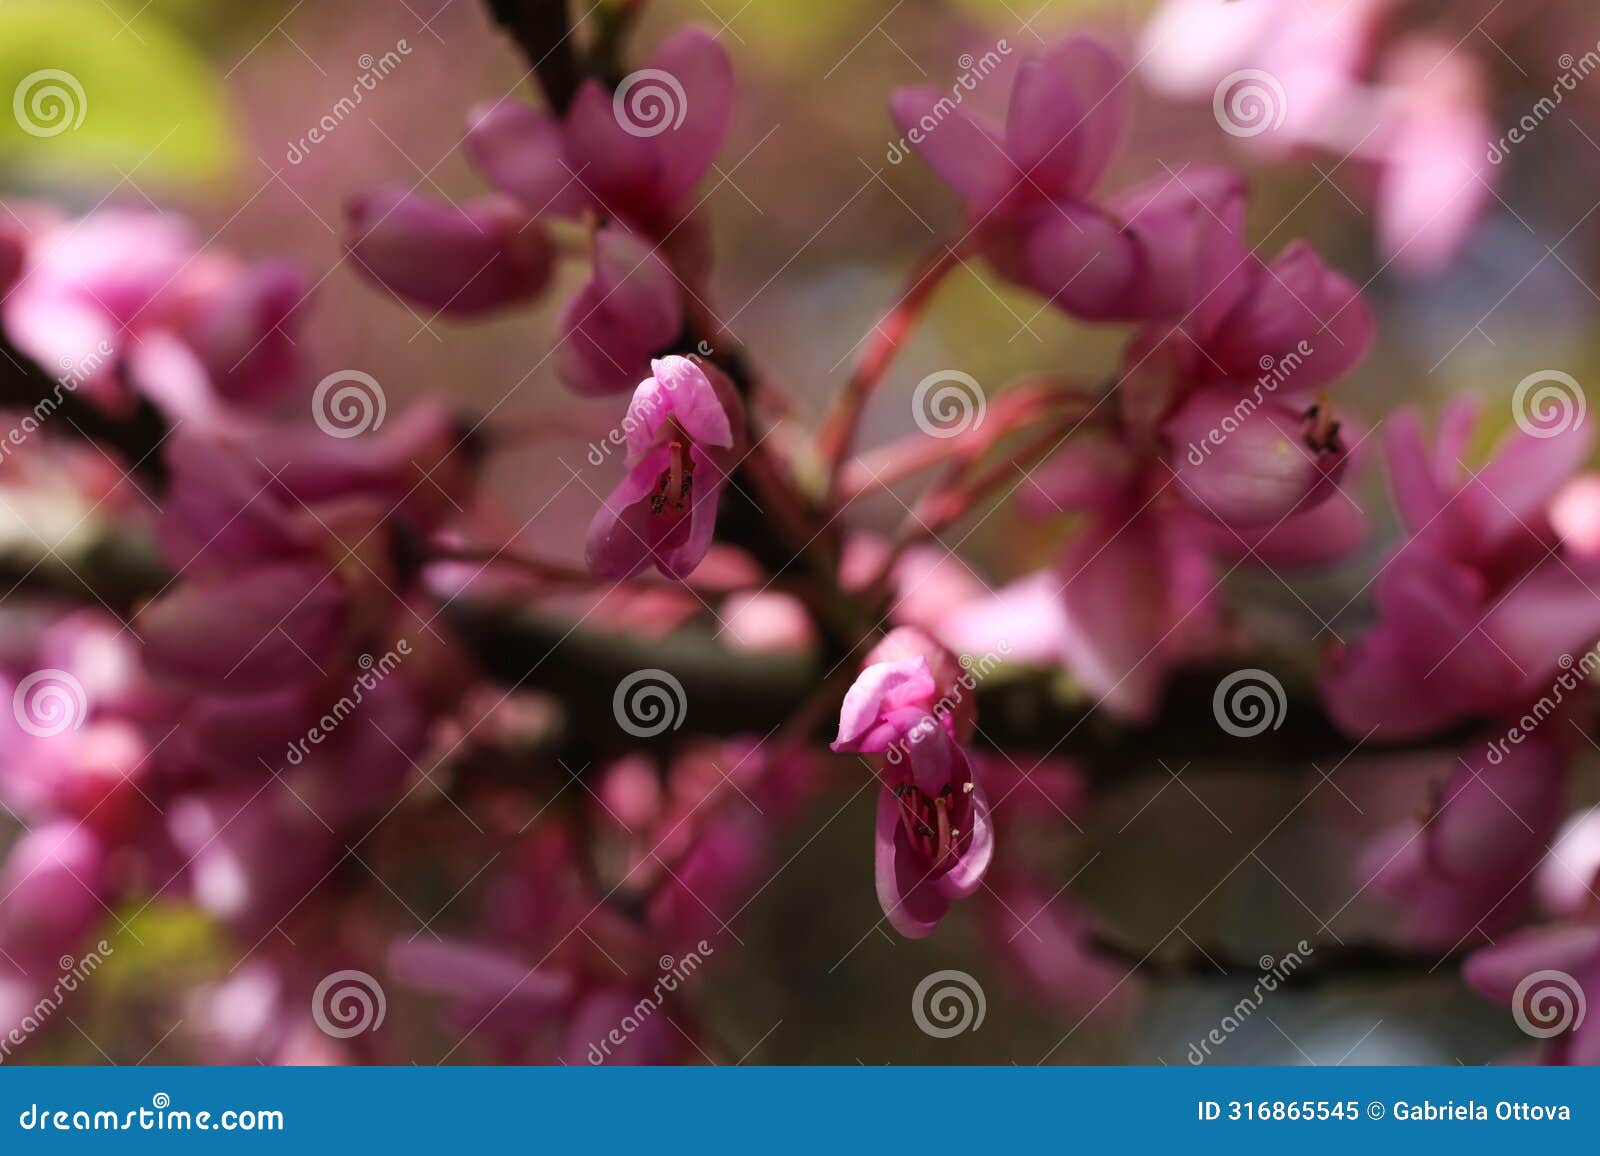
<point x="1496" y="971"/>
<point x="911" y="904"/>
<point x="459" y="260"/>
<point x="1065" y="117"/>
<point x="964" y="152"/>
<point x="522" y="152"/>
<point x="700" y="64"/>
<point x="878" y="690"/>
<point x="274" y="626"/>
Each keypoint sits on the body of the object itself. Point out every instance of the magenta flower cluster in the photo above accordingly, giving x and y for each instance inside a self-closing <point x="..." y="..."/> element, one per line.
<point x="245" y="730"/>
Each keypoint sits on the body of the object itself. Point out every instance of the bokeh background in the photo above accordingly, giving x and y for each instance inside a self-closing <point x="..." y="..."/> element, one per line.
<point x="195" y="106"/>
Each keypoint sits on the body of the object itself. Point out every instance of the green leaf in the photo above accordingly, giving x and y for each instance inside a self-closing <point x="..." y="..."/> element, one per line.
<point x="84" y="97"/>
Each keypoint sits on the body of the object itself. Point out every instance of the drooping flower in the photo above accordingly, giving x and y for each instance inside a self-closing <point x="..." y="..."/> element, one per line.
<point x="683" y="426"/>
<point x="934" y="838"/>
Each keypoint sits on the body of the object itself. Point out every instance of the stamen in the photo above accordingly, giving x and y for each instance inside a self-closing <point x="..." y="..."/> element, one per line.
<point x="676" y="480"/>
<point x="1321" y="429"/>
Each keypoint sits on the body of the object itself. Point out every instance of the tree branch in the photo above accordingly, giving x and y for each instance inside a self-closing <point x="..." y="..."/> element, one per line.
<point x="541" y="30"/>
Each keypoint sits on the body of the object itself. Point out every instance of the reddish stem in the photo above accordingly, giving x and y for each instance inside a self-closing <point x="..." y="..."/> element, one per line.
<point x="839" y="429"/>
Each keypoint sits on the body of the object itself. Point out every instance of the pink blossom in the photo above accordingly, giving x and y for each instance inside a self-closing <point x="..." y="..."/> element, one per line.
<point x="1292" y="75"/>
<point x="461" y="260"/>
<point x="934" y="838"/>
<point x="628" y="313"/>
<point x="1466" y="867"/>
<point x="130" y="296"/>
<point x="1254" y="471"/>
<point x="1474" y="612"/>
<point x="1028" y="187"/>
<point x="1572" y="949"/>
<point x="682" y="429"/>
<point x="636" y="157"/>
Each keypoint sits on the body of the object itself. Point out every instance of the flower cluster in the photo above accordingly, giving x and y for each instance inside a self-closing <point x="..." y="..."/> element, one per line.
<point x="310" y="670"/>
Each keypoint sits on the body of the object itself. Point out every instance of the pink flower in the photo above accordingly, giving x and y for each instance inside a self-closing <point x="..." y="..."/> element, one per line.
<point x="1475" y="614"/>
<point x="1435" y="180"/>
<point x="1290" y="328"/>
<point x="682" y="429"/>
<point x="934" y="838"/>
<point x="1571" y="950"/>
<point x="629" y="312"/>
<point x="1467" y="866"/>
<point x="1569" y="877"/>
<point x="54" y="882"/>
<point x="133" y="291"/>
<point x="1256" y="469"/>
<point x="1293" y="75"/>
<point x="1028" y="187"/>
<point x="635" y="155"/>
<point x="1046" y="940"/>
<point x="460" y="260"/>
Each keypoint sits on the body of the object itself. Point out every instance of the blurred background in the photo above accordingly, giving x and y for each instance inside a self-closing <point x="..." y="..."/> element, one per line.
<point x="200" y="107"/>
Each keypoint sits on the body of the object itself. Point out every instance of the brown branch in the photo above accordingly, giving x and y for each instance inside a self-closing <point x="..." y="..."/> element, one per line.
<point x="1321" y="964"/>
<point x="541" y="30"/>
